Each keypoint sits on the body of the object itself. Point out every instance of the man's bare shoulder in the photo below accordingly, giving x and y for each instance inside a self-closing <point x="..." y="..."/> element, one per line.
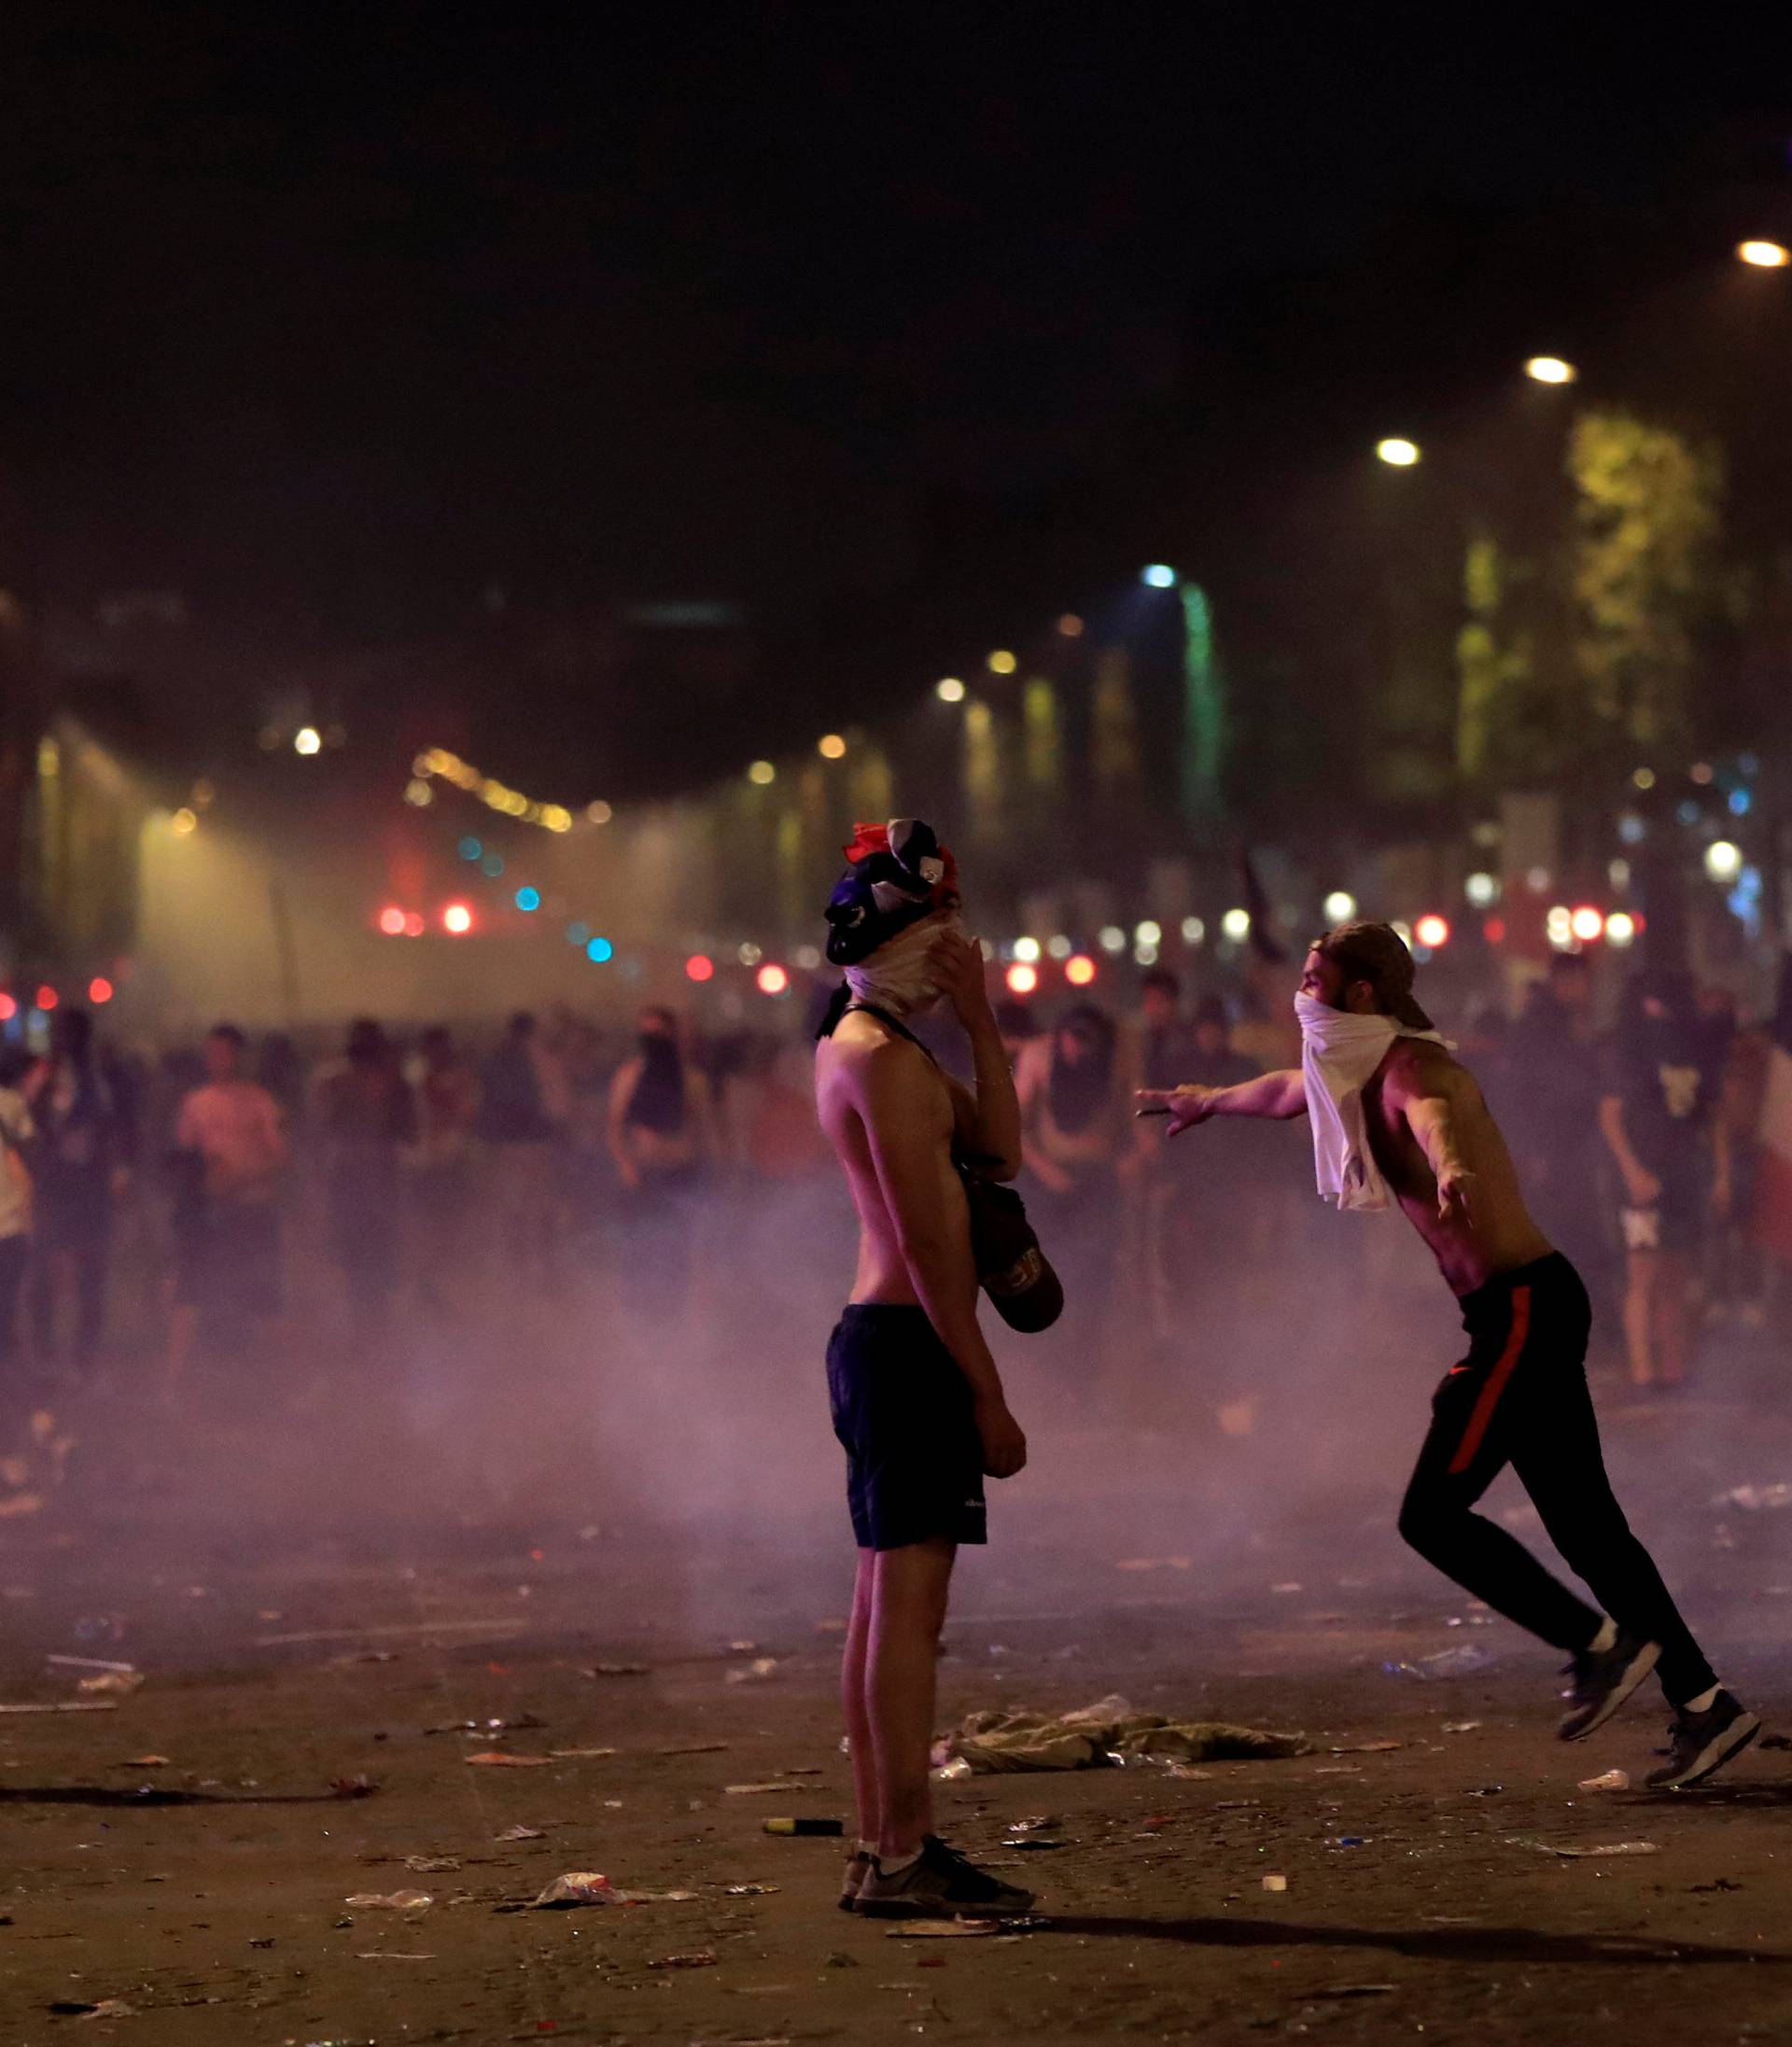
<point x="867" y="1055"/>
<point x="1422" y="1065"/>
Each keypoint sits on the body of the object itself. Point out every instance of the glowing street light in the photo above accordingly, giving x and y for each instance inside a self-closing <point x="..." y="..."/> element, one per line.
<point x="307" y="740"/>
<point x="458" y="920"/>
<point x="949" y="689"/>
<point x="1431" y="930"/>
<point x="1236" y="925"/>
<point x="1397" y="453"/>
<point x="1158" y="576"/>
<point x="1550" y="369"/>
<point x="772" y="980"/>
<point x="392" y="921"/>
<point x="831" y="745"/>
<point x="1586" y="923"/>
<point x="1339" y="906"/>
<point x="1022" y="979"/>
<point x="1079" y="970"/>
<point x="1002" y="662"/>
<point x="1723" y="860"/>
<point x="1026" y="949"/>
<point x="762" y="774"/>
<point x="1764" y="254"/>
<point x="1620" y="927"/>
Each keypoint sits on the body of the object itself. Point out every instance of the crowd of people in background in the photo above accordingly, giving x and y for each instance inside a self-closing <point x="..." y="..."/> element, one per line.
<point x="256" y="1183"/>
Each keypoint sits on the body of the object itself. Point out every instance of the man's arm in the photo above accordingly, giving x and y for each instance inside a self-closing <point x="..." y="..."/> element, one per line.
<point x="893" y="1086"/>
<point x="1431" y="1094"/>
<point x="621" y="1092"/>
<point x="1639" y="1185"/>
<point x="988" y="1120"/>
<point x="1277" y="1098"/>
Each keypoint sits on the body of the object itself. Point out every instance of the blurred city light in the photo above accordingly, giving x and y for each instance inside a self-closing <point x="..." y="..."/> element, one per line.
<point x="949" y="689"/>
<point x="1620" y="927"/>
<point x="1723" y="860"/>
<point x="414" y="924"/>
<point x="600" y="952"/>
<point x="762" y="773"/>
<point x="1431" y="930"/>
<point x="392" y="921"/>
<point x="1026" y="949"/>
<point x="184" y="821"/>
<point x="1397" y="453"/>
<point x="469" y="848"/>
<point x="750" y="954"/>
<point x="1586" y="923"/>
<point x="1071" y="625"/>
<point x="418" y="792"/>
<point x="772" y="980"/>
<point x="528" y="899"/>
<point x="458" y="920"/>
<point x="1022" y="979"/>
<point x="1148" y="934"/>
<point x="1493" y="930"/>
<point x="1339" y="906"/>
<point x="699" y="968"/>
<point x="46" y="997"/>
<point x="1146" y="955"/>
<point x="492" y="867"/>
<point x="577" y="934"/>
<point x="307" y="739"/>
<point x="99" y="989"/>
<point x="1550" y="369"/>
<point x="1701" y="772"/>
<point x="1236" y="925"/>
<point x="1110" y="938"/>
<point x="808" y="958"/>
<point x="598" y="813"/>
<point x="831" y="745"/>
<point x="1002" y="662"/>
<point x="1058" y="946"/>
<point x="1481" y="889"/>
<point x="1158" y="576"/>
<point x="1764" y="254"/>
<point x="1559" y="927"/>
<point x="8" y="1008"/>
<point x="1193" y="930"/>
<point x="1079" y="970"/>
<point x="1644" y="777"/>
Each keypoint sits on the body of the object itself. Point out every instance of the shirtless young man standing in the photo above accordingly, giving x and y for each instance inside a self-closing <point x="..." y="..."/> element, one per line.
<point x="916" y="1400"/>
<point x="1392" y="1110"/>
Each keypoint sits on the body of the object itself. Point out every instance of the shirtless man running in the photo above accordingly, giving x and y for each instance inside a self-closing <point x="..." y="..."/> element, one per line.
<point x="1394" y="1111"/>
<point x="916" y="1400"/>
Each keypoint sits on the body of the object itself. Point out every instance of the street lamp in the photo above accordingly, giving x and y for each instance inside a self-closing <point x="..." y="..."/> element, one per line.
<point x="1550" y="369"/>
<point x="1158" y="576"/>
<point x="1764" y="254"/>
<point x="1397" y="453"/>
<point x="949" y="689"/>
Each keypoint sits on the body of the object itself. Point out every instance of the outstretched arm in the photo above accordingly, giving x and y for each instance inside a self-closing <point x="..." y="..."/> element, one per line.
<point x="1277" y="1098"/>
<point x="1432" y="1094"/>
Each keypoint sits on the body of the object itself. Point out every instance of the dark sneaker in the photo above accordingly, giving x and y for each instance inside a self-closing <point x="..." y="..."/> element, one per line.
<point x="858" y="1866"/>
<point x="1700" y="1742"/>
<point x="1603" y="1680"/>
<point x="940" y="1884"/>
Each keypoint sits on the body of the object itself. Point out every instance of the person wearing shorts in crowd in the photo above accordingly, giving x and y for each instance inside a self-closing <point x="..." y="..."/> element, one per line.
<point x="1655" y="1114"/>
<point x="1396" y="1118"/>
<point x="917" y="1399"/>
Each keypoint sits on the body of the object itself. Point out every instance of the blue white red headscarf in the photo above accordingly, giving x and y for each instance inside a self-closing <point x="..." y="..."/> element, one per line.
<point x="897" y="873"/>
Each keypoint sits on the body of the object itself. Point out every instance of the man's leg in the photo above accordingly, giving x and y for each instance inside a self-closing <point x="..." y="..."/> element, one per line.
<point x="1639" y="1315"/>
<point x="854" y="1702"/>
<point x="1466" y="1447"/>
<point x="1559" y="1461"/>
<point x="1674" y="1293"/>
<point x="907" y="1612"/>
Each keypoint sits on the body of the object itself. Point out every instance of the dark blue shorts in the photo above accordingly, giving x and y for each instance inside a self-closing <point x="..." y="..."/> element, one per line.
<point x="902" y="1412"/>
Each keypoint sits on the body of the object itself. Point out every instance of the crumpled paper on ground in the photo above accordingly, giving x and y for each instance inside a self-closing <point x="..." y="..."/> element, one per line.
<point x="994" y="1742"/>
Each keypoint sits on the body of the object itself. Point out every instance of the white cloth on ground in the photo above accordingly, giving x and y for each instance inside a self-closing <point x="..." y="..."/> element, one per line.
<point x="1338" y="1055"/>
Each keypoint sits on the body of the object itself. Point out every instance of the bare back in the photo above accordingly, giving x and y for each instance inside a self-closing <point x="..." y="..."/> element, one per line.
<point x="1496" y="1233"/>
<point x="880" y="1099"/>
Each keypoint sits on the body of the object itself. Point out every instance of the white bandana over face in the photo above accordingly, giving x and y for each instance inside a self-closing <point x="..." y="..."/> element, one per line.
<point x="900" y="977"/>
<point x="1338" y="1055"/>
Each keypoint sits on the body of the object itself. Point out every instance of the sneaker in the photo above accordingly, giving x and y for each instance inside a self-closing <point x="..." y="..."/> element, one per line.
<point x="940" y="1884"/>
<point x="1700" y="1742"/>
<point x="1603" y="1680"/>
<point x="859" y="1866"/>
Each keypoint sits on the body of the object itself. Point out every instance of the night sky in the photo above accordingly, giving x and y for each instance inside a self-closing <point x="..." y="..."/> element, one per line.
<point x="904" y="327"/>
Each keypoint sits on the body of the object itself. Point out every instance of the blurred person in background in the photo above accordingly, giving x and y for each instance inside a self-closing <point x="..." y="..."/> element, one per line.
<point x="231" y="1155"/>
<point x="365" y="1117"/>
<point x="1655" y="1112"/>
<point x="1167" y="1042"/>
<point x="17" y="1131"/>
<point x="1018" y="1028"/>
<point x="1733" y="1278"/>
<point x="520" y="1139"/>
<point x="663" y="1139"/>
<point x="1079" y="1147"/>
<point x="86" y="1145"/>
<point x="1548" y="1088"/>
